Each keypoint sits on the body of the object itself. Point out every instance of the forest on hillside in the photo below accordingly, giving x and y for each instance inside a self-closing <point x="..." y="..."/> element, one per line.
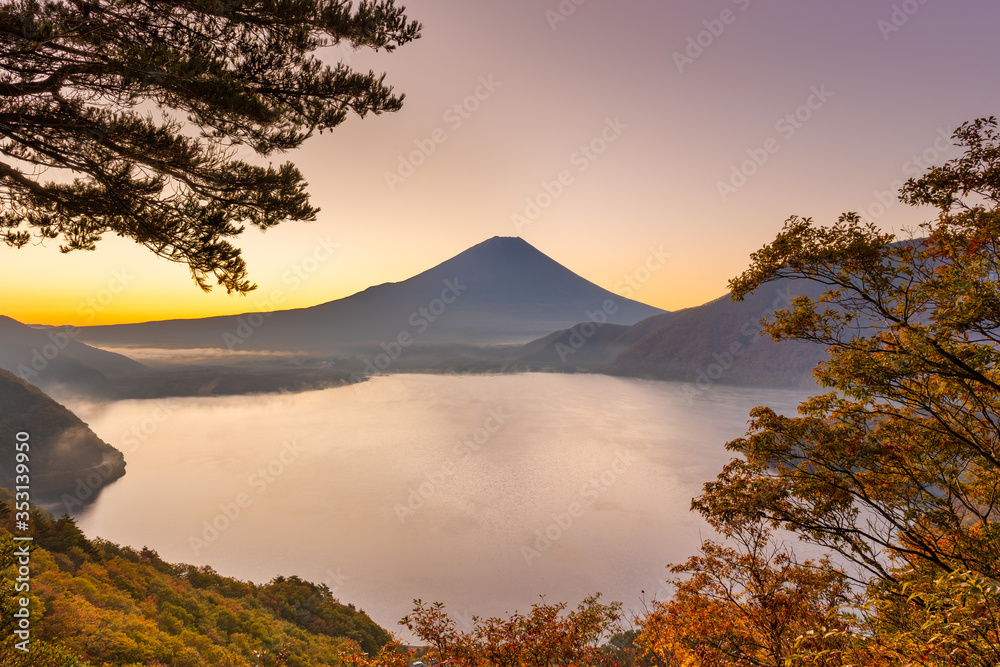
<point x="92" y="602"/>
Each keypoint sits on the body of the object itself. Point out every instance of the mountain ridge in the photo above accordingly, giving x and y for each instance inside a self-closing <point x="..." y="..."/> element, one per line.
<point x="718" y="342"/>
<point x="70" y="464"/>
<point x="502" y="290"/>
<point x="53" y="359"/>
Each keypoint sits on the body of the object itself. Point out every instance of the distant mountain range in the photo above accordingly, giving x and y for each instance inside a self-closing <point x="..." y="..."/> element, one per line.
<point x="501" y="305"/>
<point x="718" y="342"/>
<point x="501" y="291"/>
<point x="52" y="358"/>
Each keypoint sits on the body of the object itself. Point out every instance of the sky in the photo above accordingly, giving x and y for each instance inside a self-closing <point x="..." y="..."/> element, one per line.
<point x="609" y="135"/>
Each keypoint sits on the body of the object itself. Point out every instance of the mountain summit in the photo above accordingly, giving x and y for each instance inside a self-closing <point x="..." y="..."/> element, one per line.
<point x="503" y="290"/>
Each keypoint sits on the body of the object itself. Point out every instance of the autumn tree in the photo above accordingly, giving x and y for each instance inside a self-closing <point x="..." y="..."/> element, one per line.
<point x="897" y="466"/>
<point x="548" y="635"/>
<point x="925" y="617"/>
<point x="393" y="654"/>
<point x="746" y="603"/>
<point x="84" y="155"/>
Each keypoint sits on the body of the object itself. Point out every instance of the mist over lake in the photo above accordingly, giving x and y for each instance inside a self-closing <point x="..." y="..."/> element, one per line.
<point x="483" y="492"/>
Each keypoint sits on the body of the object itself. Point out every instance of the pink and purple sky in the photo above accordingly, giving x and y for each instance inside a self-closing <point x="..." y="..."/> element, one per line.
<point x="603" y="133"/>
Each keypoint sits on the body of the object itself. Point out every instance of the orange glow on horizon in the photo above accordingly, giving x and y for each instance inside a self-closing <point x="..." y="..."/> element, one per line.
<point x="58" y="310"/>
<point x="399" y="193"/>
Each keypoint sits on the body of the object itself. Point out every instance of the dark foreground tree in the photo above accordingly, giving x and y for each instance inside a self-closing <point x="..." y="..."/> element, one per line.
<point x="125" y="116"/>
<point x="897" y="467"/>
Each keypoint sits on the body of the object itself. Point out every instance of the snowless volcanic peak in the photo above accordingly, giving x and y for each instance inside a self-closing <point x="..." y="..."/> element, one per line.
<point x="503" y="290"/>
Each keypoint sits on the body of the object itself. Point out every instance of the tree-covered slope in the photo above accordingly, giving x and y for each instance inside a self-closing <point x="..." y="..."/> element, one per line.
<point x="69" y="464"/>
<point x="717" y="342"/>
<point x="96" y="603"/>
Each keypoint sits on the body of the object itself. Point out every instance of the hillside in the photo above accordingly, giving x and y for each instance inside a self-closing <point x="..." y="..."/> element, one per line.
<point x="69" y="463"/>
<point x="94" y="603"/>
<point x="718" y="342"/>
<point x="587" y="345"/>
<point x="55" y="360"/>
<point x="52" y="359"/>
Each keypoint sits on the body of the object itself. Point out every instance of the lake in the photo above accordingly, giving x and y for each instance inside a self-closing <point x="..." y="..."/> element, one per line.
<point x="482" y="492"/>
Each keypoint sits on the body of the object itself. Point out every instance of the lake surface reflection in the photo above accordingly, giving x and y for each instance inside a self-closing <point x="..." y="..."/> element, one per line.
<point x="483" y="492"/>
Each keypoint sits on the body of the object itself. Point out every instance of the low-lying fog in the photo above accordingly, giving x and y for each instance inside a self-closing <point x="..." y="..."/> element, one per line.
<point x="483" y="492"/>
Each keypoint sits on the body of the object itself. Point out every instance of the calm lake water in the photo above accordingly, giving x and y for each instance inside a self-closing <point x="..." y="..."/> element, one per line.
<point x="483" y="492"/>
